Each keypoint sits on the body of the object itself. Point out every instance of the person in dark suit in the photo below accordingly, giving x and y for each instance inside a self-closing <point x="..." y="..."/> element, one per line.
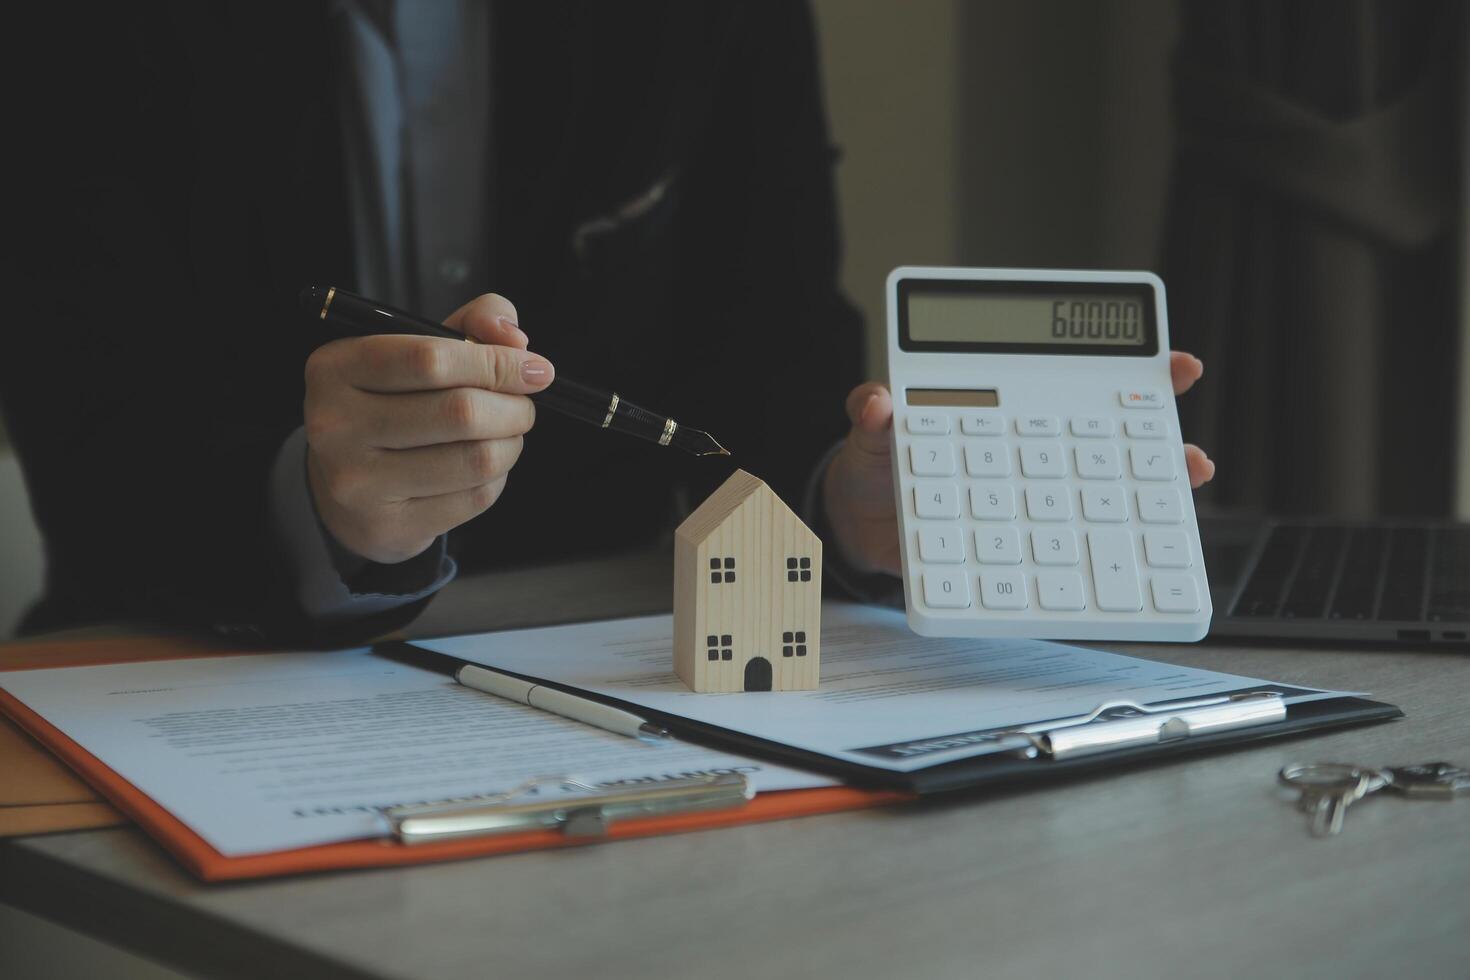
<point x="637" y="194"/>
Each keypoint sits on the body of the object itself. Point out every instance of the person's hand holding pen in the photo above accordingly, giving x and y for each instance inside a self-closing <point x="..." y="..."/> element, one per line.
<point x="411" y="436"/>
<point x="858" y="485"/>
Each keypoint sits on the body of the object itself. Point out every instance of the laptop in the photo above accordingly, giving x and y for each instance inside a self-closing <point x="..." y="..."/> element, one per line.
<point x="1301" y="579"/>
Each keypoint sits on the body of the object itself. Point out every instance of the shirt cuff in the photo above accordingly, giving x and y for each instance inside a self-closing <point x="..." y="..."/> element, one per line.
<point x="330" y="583"/>
<point x="874" y="588"/>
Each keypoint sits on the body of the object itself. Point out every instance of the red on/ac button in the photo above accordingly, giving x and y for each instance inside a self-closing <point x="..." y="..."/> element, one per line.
<point x="1141" y="398"/>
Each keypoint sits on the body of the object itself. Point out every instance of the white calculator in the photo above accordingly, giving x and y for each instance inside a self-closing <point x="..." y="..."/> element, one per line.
<point x="1038" y="464"/>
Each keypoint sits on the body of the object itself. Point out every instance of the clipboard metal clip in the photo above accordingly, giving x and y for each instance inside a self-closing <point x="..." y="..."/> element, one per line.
<point x="587" y="815"/>
<point x="1124" y="724"/>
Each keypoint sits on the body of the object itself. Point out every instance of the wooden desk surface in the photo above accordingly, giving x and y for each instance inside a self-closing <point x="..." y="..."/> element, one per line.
<point x="1198" y="867"/>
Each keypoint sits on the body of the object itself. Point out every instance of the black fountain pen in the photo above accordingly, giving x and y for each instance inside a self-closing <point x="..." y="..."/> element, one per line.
<point x="361" y="316"/>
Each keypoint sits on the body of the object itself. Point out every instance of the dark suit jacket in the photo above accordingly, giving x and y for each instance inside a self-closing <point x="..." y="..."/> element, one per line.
<point x="187" y="183"/>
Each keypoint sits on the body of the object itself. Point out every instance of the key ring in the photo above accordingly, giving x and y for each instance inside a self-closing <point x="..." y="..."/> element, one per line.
<point x="1321" y="776"/>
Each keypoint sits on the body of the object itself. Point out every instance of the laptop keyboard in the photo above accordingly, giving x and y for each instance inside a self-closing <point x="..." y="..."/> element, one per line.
<point x="1401" y="574"/>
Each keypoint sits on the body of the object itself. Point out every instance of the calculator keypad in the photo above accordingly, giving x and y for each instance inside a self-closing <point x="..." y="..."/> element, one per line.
<point x="1052" y="502"/>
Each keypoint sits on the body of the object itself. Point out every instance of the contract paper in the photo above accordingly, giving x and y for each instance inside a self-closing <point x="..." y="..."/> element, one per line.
<point x="266" y="753"/>
<point x="887" y="698"/>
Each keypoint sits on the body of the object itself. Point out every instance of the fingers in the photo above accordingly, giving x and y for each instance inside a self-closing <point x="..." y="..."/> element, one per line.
<point x="450" y="510"/>
<point x="1201" y="467"/>
<point x="1185" y="370"/>
<point x="423" y="418"/>
<point x="432" y="471"/>
<point x="396" y="363"/>
<point x="490" y="319"/>
<point x="870" y="410"/>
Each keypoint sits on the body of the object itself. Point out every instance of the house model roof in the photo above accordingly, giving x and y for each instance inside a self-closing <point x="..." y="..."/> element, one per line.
<point x="732" y="494"/>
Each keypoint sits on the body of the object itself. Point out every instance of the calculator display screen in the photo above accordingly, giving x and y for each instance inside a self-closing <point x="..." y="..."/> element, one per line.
<point x="1027" y="317"/>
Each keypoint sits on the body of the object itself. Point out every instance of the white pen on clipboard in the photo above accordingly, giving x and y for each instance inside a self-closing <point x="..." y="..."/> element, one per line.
<point x="559" y="702"/>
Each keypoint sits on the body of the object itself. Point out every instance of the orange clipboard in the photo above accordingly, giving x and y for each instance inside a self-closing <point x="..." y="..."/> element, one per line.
<point x="209" y="865"/>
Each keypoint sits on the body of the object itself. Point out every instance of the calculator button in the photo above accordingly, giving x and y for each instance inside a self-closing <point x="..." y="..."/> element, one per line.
<point x="1146" y="428"/>
<point x="1105" y="505"/>
<point x="1043" y="459"/>
<point x="988" y="459"/>
<point x="1161" y="506"/>
<point x="946" y="590"/>
<point x="982" y="423"/>
<point x="1098" y="462"/>
<point x="937" y="501"/>
<point x="1092" y="427"/>
<point x="1059" y="590"/>
<point x="998" y="546"/>
<point x="1049" y="503"/>
<point x="1114" y="570"/>
<point x="1175" y="594"/>
<point x="942" y="545"/>
<point x="1038" y="425"/>
<point x="931" y="457"/>
<point x="928" y="423"/>
<point x="1152" y="462"/>
<point x="1166" y="549"/>
<point x="1003" y="590"/>
<point x="1141" y="398"/>
<point x="1054" y="547"/>
<point x="993" y="502"/>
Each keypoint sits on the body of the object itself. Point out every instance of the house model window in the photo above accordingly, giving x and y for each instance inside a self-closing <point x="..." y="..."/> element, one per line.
<point x="774" y="607"/>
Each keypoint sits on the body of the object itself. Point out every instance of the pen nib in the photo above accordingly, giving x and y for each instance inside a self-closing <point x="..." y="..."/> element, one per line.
<point x="699" y="443"/>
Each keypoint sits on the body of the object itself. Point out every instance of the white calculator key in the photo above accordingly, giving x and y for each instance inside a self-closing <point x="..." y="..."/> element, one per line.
<point x="946" y="590"/>
<point x="993" y="502"/>
<point x="1003" y="590"/>
<point x="1114" y="570"/>
<point x="942" y="545"/>
<point x="1166" y="549"/>
<point x="1151" y="462"/>
<point x="1093" y="427"/>
<point x="1057" y="546"/>
<point x="1043" y="459"/>
<point x="937" y="501"/>
<point x="1105" y="505"/>
<point x="1059" y="590"/>
<point x="998" y="546"/>
<point x="1175" y="594"/>
<point x="1161" y="506"/>
<point x="1049" y="503"/>
<point x="982" y="423"/>
<point x="929" y="423"/>
<point x="1038" y="425"/>
<point x="931" y="457"/>
<point x="1097" y="462"/>
<point x="1141" y="398"/>
<point x="988" y="459"/>
<point x="1146" y="428"/>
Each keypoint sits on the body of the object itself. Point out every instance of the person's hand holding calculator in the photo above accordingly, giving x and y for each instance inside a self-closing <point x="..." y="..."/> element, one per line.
<point x="1033" y="443"/>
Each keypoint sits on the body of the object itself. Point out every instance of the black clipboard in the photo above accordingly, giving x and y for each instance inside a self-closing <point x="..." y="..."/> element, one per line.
<point x="1025" y="764"/>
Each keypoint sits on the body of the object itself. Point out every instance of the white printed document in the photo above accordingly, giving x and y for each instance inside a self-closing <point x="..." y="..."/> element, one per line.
<point x="888" y="698"/>
<point x="265" y="753"/>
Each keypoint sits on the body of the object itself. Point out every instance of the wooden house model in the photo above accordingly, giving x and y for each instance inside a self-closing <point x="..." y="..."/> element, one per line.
<point x="747" y="593"/>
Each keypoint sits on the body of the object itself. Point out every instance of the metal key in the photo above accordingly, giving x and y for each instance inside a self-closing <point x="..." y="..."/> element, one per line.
<point x="1329" y="788"/>
<point x="1430" y="780"/>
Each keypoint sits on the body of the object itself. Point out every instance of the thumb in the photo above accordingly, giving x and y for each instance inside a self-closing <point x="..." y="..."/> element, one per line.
<point x="870" y="410"/>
